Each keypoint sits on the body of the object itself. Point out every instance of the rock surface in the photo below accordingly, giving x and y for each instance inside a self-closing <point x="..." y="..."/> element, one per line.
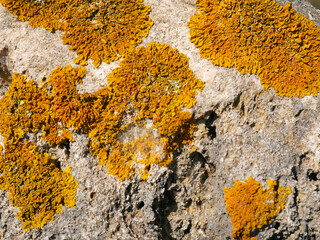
<point x="243" y="131"/>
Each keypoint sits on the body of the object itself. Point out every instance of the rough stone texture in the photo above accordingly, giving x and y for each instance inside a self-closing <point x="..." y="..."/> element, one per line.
<point x="242" y="131"/>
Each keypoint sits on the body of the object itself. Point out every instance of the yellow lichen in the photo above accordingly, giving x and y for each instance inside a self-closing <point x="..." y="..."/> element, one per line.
<point x="154" y="83"/>
<point x="27" y="108"/>
<point x="263" y="38"/>
<point x="35" y="184"/>
<point x="100" y="30"/>
<point x="48" y="14"/>
<point x="66" y="105"/>
<point x="251" y="207"/>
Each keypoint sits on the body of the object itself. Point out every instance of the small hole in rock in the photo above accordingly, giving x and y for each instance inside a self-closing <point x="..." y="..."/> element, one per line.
<point x="209" y="124"/>
<point x="56" y="163"/>
<point x="93" y="195"/>
<point x="140" y="205"/>
<point x="312" y="176"/>
<point x="272" y="108"/>
<point x="212" y="132"/>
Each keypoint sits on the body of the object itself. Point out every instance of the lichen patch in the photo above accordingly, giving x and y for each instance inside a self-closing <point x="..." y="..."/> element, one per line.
<point x="98" y="30"/>
<point x="260" y="37"/>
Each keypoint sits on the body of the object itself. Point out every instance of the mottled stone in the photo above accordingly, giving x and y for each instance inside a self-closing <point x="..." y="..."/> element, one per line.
<point x="242" y="131"/>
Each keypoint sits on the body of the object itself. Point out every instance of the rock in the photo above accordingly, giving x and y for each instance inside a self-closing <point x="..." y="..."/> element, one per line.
<point x="243" y="131"/>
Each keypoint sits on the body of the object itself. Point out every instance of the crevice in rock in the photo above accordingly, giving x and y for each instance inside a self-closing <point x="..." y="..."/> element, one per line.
<point x="294" y="173"/>
<point x="5" y="76"/>
<point x="162" y="209"/>
<point x="66" y="145"/>
<point x="295" y="198"/>
<point x="209" y="124"/>
<point x="298" y="113"/>
<point x="197" y="157"/>
<point x="237" y="100"/>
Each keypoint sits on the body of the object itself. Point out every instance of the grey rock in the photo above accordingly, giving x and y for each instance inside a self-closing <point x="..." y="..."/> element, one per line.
<point x="242" y="131"/>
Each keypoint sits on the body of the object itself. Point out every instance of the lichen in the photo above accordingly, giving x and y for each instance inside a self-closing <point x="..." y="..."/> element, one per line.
<point x="67" y="105"/>
<point x="33" y="180"/>
<point x="35" y="185"/>
<point x="27" y="108"/>
<point x="152" y="84"/>
<point x="100" y="30"/>
<point x="251" y="207"/>
<point x="260" y="37"/>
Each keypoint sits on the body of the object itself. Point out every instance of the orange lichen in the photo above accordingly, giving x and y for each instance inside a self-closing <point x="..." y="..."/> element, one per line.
<point x="263" y="38"/>
<point x="155" y="83"/>
<point x="66" y="104"/>
<point x="35" y="185"/>
<point x="251" y="207"/>
<point x="48" y="14"/>
<point x="27" y="108"/>
<point x="100" y="30"/>
<point x="106" y="29"/>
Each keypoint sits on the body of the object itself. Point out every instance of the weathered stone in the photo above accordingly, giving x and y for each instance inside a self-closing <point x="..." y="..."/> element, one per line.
<point x="243" y="131"/>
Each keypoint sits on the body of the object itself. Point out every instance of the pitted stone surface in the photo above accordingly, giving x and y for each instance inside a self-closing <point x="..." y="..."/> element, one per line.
<point x="242" y="131"/>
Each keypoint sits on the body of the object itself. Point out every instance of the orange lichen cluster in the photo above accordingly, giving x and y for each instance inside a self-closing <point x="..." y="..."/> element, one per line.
<point x="106" y="29"/>
<point x="100" y="30"/>
<point x="36" y="186"/>
<point x="263" y="38"/>
<point x="148" y="92"/>
<point x="152" y="85"/>
<point x="155" y="83"/>
<point x="29" y="108"/>
<point x="67" y="105"/>
<point x="251" y="207"/>
<point x="48" y="14"/>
